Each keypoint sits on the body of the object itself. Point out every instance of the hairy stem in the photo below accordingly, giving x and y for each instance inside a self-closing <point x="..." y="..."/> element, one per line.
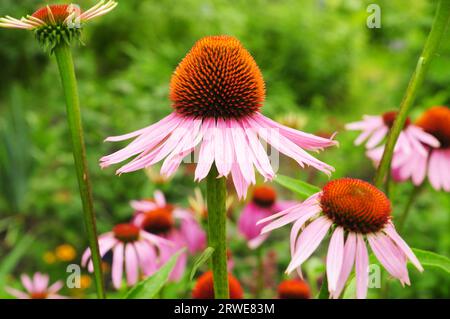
<point x="437" y="32"/>
<point x="67" y="72"/>
<point x="217" y="217"/>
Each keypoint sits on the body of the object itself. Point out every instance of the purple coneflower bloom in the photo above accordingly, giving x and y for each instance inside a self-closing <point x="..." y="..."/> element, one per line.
<point x="263" y="204"/>
<point x="37" y="288"/>
<point x="354" y="211"/>
<point x="217" y="92"/>
<point x="133" y="249"/>
<point x="59" y="14"/>
<point x="175" y="224"/>
<point x="412" y="139"/>
<point x="435" y="163"/>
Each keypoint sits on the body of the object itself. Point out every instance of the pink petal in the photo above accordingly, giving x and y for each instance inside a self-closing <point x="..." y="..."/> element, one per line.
<point x="361" y="268"/>
<point x="309" y="240"/>
<point x="392" y="233"/>
<point x="347" y="265"/>
<point x="117" y="265"/>
<point x="131" y="264"/>
<point x="206" y="156"/>
<point x="334" y="258"/>
<point x="27" y="283"/>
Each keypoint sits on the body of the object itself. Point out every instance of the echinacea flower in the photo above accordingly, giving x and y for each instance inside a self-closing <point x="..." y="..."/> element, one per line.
<point x="411" y="140"/>
<point x="354" y="211"/>
<point x="59" y="23"/>
<point x="204" y="287"/>
<point x="435" y="163"/>
<point x="263" y="204"/>
<point x="217" y="92"/>
<point x="294" y="289"/>
<point x="173" y="223"/>
<point x="37" y="288"/>
<point x="133" y="249"/>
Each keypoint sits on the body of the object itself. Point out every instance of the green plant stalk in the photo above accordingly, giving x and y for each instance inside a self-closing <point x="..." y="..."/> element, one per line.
<point x="66" y="68"/>
<point x="411" y="200"/>
<point x="440" y="23"/>
<point x="216" y="193"/>
<point x="260" y="275"/>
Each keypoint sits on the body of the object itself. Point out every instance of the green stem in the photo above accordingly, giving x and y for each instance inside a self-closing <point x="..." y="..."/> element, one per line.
<point x="260" y="274"/>
<point x="411" y="200"/>
<point x="69" y="82"/>
<point x="440" y="23"/>
<point x="216" y="193"/>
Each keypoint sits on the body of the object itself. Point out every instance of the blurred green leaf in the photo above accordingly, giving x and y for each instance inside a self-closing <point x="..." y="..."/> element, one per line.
<point x="150" y="287"/>
<point x="206" y="254"/>
<point x="10" y="261"/>
<point x="297" y="186"/>
<point x="429" y="259"/>
<point x="323" y="293"/>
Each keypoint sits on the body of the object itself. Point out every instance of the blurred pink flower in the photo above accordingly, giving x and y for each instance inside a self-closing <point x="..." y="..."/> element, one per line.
<point x="134" y="249"/>
<point x="263" y="204"/>
<point x="175" y="224"/>
<point x="358" y="209"/>
<point x="412" y="140"/>
<point x="37" y="288"/>
<point x="217" y="91"/>
<point x="435" y="163"/>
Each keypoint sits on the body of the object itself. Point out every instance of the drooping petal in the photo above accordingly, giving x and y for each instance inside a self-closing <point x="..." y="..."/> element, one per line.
<point x="117" y="265"/>
<point x="361" y="268"/>
<point x="309" y="240"/>
<point x="131" y="264"/>
<point x="335" y="257"/>
<point x="347" y="265"/>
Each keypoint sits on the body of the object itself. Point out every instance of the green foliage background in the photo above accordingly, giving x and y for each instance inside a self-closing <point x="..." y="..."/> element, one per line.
<point x="319" y="60"/>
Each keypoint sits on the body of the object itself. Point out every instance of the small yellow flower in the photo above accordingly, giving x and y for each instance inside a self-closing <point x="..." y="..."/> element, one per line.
<point x="85" y="281"/>
<point x="65" y="252"/>
<point x="49" y="257"/>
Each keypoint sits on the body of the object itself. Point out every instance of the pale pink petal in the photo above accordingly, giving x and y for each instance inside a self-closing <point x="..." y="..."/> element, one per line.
<point x="27" y="283"/>
<point x="117" y="265"/>
<point x="17" y="293"/>
<point x="377" y="136"/>
<point x="206" y="156"/>
<point x="242" y="152"/>
<point x="53" y="289"/>
<point x="361" y="268"/>
<point x="40" y="282"/>
<point x="309" y="240"/>
<point x="335" y="257"/>
<point x="347" y="265"/>
<point x="131" y="264"/>
<point x="392" y="233"/>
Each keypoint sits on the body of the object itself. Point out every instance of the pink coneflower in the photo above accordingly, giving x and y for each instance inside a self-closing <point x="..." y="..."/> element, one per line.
<point x="46" y="19"/>
<point x="411" y="140"/>
<point x="294" y="289"/>
<point x="263" y="204"/>
<point x="134" y="249"/>
<point x="435" y="163"/>
<point x="355" y="210"/>
<point x="37" y="288"/>
<point x="204" y="287"/>
<point x="175" y="224"/>
<point x="217" y="92"/>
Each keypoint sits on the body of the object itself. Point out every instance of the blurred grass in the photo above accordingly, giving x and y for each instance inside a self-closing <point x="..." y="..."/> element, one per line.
<point x="319" y="60"/>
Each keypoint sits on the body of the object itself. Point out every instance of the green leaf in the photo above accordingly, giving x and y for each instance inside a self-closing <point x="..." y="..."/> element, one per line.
<point x="9" y="262"/>
<point x="207" y="253"/>
<point x="297" y="186"/>
<point x="323" y="293"/>
<point x="151" y="286"/>
<point x="429" y="259"/>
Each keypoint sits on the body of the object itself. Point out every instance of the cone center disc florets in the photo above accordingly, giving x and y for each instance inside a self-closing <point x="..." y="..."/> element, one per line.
<point x="218" y="78"/>
<point x="158" y="221"/>
<point x="355" y="205"/>
<point x="126" y="232"/>
<point x="264" y="196"/>
<point x="436" y="121"/>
